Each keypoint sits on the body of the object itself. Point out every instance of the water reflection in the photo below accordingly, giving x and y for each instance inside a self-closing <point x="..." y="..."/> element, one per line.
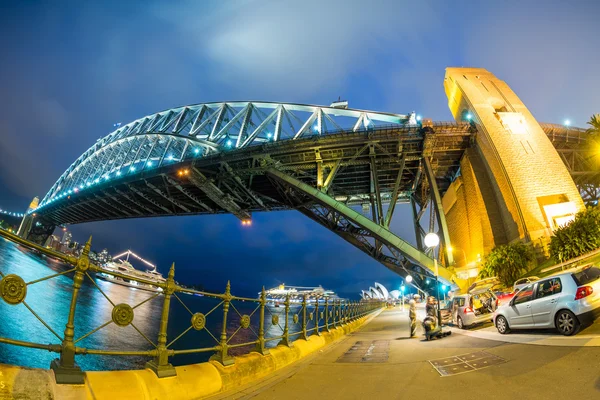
<point x="50" y="299"/>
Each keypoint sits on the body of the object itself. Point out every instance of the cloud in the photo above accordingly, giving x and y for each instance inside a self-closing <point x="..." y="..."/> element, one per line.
<point x="292" y="49"/>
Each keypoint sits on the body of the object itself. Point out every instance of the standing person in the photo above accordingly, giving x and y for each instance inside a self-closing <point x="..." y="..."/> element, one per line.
<point x="412" y="314"/>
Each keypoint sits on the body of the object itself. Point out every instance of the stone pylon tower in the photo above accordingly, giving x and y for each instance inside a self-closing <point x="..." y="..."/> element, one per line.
<point x="27" y="221"/>
<point x="513" y="184"/>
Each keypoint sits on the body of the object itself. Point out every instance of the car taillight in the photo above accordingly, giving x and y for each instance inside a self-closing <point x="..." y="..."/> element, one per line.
<point x="583" y="291"/>
<point x="467" y="310"/>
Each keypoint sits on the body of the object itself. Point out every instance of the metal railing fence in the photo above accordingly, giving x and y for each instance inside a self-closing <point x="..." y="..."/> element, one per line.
<point x="315" y="315"/>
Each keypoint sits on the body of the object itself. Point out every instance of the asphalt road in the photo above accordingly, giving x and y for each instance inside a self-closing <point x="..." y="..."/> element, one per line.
<point x="380" y="361"/>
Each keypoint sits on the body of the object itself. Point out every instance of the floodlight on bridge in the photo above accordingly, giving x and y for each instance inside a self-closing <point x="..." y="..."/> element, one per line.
<point x="409" y="278"/>
<point x="431" y="240"/>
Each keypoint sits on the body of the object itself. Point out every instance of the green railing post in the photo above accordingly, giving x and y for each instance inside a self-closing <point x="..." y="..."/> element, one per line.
<point x="327" y="314"/>
<point x="304" y="332"/>
<point x="260" y="346"/>
<point x="222" y="355"/>
<point x="317" y="332"/>
<point x="160" y="365"/>
<point x="65" y="369"/>
<point x="334" y="311"/>
<point x="346" y="315"/>
<point x="285" y="340"/>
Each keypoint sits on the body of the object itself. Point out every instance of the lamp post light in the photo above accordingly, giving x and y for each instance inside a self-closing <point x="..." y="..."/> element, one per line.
<point x="402" y="289"/>
<point x="432" y="240"/>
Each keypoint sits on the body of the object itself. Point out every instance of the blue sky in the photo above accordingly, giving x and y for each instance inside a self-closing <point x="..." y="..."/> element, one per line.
<point x="71" y="69"/>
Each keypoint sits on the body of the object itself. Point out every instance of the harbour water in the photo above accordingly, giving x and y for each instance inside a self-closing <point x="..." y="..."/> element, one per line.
<point x="50" y="299"/>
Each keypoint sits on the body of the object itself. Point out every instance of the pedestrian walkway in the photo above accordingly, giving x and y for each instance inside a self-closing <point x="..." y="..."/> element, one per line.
<point x="380" y="360"/>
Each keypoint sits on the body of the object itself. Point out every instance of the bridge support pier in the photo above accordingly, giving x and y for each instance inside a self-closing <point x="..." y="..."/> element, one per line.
<point x="520" y="183"/>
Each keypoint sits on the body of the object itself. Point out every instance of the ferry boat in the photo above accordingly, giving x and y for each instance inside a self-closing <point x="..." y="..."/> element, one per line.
<point x="277" y="295"/>
<point x="131" y="275"/>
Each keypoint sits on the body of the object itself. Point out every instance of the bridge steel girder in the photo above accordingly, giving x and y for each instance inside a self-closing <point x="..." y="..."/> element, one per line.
<point x="223" y="200"/>
<point x="377" y="231"/>
<point x="439" y="212"/>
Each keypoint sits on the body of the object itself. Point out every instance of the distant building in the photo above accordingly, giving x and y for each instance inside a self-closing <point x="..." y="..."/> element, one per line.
<point x="66" y="239"/>
<point x="53" y="243"/>
<point x="27" y="221"/>
<point x="104" y="257"/>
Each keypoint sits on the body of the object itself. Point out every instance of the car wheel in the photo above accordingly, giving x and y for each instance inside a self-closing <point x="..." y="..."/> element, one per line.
<point x="459" y="323"/>
<point x="502" y="325"/>
<point x="567" y="323"/>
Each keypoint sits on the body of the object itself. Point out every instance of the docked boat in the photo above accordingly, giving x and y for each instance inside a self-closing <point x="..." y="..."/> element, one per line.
<point x="277" y="295"/>
<point x="130" y="276"/>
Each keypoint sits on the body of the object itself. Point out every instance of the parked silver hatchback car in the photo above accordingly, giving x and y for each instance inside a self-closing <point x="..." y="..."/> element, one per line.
<point x="474" y="307"/>
<point x="562" y="301"/>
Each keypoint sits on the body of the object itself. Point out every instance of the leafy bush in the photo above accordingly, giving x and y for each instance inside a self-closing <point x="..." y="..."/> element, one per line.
<point x="507" y="262"/>
<point x="581" y="236"/>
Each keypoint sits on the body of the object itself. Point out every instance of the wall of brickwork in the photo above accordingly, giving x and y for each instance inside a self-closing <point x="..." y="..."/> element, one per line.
<point x="472" y="213"/>
<point x="525" y="171"/>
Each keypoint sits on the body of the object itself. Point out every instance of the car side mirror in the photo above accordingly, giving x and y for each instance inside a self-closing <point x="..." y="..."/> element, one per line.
<point x="512" y="302"/>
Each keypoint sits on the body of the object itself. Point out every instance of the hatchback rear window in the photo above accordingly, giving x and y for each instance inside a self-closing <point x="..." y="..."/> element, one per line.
<point x="586" y="276"/>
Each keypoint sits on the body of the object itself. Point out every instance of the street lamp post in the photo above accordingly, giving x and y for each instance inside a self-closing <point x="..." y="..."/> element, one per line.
<point x="402" y="288"/>
<point x="432" y="241"/>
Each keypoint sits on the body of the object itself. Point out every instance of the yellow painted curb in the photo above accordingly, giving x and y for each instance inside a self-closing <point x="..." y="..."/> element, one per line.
<point x="192" y="381"/>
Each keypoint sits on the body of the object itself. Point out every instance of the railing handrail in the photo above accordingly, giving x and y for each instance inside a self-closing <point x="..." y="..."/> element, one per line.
<point x="334" y="312"/>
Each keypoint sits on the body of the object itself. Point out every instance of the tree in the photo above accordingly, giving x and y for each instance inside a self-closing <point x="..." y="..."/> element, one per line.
<point x="507" y="262"/>
<point x="594" y="123"/>
<point x="580" y="236"/>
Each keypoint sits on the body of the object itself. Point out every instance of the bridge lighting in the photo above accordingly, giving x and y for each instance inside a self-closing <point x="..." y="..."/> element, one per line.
<point x="469" y="117"/>
<point x="228" y="143"/>
<point x="81" y="187"/>
<point x="443" y="287"/>
<point x="418" y="117"/>
<point x="403" y="288"/>
<point x="432" y="239"/>
<point x="96" y="180"/>
<point x="247" y="222"/>
<point x="409" y="279"/>
<point x="196" y="151"/>
<point x="567" y="122"/>
<point x="170" y="158"/>
<point x="88" y="184"/>
<point x="132" y="168"/>
<point x="149" y="163"/>
<point x="269" y="135"/>
<point x="118" y="173"/>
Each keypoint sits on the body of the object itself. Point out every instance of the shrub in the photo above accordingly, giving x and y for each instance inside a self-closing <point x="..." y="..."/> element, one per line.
<point x="580" y="236"/>
<point x="507" y="262"/>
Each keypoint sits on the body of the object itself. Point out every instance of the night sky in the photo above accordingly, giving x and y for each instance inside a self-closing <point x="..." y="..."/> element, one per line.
<point x="70" y="70"/>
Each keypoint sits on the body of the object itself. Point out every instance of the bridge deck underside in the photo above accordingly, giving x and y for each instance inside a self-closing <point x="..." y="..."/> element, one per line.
<point x="347" y="166"/>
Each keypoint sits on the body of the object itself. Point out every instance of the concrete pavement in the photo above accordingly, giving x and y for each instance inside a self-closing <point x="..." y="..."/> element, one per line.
<point x="381" y="361"/>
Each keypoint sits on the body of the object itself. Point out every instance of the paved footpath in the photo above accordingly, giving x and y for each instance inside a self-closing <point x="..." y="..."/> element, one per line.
<point x="380" y="361"/>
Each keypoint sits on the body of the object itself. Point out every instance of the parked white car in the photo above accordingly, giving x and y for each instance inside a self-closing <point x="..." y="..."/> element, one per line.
<point x="562" y="301"/>
<point x="521" y="283"/>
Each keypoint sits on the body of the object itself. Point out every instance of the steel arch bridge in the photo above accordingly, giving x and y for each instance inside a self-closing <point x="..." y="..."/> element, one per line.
<point x="244" y="157"/>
